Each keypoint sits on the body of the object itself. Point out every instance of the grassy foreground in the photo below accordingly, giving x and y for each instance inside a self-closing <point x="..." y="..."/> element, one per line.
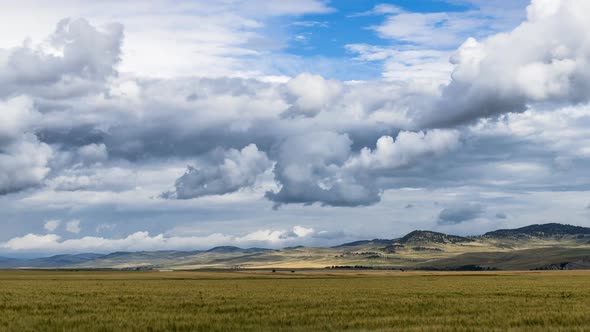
<point x="300" y="301"/>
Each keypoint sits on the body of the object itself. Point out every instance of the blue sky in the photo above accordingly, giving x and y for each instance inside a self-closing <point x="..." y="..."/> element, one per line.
<point x="321" y="41"/>
<point x="351" y="23"/>
<point x="180" y="124"/>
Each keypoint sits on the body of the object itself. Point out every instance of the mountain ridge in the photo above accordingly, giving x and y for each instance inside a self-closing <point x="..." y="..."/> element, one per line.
<point x="541" y="230"/>
<point x="538" y="246"/>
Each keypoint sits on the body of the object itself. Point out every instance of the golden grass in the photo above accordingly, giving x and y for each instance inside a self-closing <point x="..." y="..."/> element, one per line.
<point x="300" y="301"/>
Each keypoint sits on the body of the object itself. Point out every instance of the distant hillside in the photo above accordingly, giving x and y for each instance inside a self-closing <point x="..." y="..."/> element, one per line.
<point x="231" y="249"/>
<point x="432" y="237"/>
<point x="5" y="260"/>
<point x="366" y="242"/>
<point x="535" y="247"/>
<point x="47" y="262"/>
<point x="224" y="249"/>
<point x="526" y="259"/>
<point x="545" y="230"/>
<point x="143" y="255"/>
<point x="63" y="260"/>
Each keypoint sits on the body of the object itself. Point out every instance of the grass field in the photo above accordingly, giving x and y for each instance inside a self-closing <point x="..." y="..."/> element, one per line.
<point x="300" y="301"/>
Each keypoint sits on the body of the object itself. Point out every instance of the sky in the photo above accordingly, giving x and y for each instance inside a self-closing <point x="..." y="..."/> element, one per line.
<point x="183" y="125"/>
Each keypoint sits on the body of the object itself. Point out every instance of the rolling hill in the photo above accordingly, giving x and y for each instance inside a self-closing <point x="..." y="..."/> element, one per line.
<point x="546" y="230"/>
<point x="542" y="247"/>
<point x="47" y="262"/>
<point x="432" y="237"/>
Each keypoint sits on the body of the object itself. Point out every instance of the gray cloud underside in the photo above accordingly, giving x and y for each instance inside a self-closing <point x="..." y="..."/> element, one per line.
<point x="459" y="213"/>
<point x="66" y="110"/>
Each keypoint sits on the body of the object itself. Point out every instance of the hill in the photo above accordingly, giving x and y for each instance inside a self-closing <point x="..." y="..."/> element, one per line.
<point x="548" y="246"/>
<point x="63" y="260"/>
<point x="545" y="230"/>
<point x="366" y="243"/>
<point x="432" y="237"/>
<point x="48" y="262"/>
<point x="231" y="249"/>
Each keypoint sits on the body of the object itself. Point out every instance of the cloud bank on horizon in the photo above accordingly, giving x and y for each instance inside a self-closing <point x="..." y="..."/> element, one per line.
<point x="227" y="122"/>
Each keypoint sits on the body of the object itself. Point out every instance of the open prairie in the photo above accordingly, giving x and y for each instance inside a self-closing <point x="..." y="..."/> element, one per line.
<point x="303" y="300"/>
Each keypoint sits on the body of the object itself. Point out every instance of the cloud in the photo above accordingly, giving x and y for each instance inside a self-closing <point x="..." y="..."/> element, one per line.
<point x="380" y="9"/>
<point x="432" y="29"/>
<point x="140" y="241"/>
<point x="93" y="153"/>
<point x="331" y="174"/>
<point x="287" y="7"/>
<point x="102" y="228"/>
<point x="426" y="68"/>
<point x="459" y="213"/>
<point x="333" y="143"/>
<point x="231" y="171"/>
<point x="506" y="72"/>
<point x="312" y="173"/>
<point x="312" y="93"/>
<point x="73" y="226"/>
<point x="492" y="74"/>
<point x="328" y="235"/>
<point x="51" y="225"/>
<point x="540" y="9"/>
<point x="31" y="241"/>
<point x="23" y="164"/>
<point x="311" y="24"/>
<point x="405" y="150"/>
<point x="23" y="159"/>
<point x="167" y="38"/>
<point x="77" y="55"/>
<point x="505" y="14"/>
<point x="298" y="231"/>
<point x="17" y="115"/>
<point x="76" y="59"/>
<point x="101" y="122"/>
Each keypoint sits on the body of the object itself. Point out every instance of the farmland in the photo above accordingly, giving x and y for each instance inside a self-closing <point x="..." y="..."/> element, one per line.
<point x="302" y="300"/>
